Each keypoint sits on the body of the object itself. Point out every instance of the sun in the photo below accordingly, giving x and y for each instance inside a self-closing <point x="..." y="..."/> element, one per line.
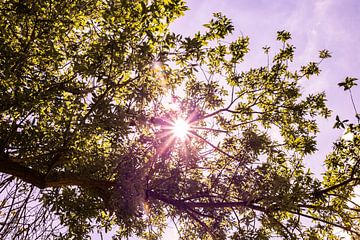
<point x="180" y="128"/>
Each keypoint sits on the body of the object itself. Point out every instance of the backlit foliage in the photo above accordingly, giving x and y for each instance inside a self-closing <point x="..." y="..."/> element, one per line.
<point x="86" y="129"/>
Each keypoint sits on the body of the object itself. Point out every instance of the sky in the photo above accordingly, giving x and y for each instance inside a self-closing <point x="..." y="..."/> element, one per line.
<point x="314" y="25"/>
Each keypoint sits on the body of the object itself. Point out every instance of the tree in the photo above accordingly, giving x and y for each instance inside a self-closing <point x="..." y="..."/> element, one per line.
<point x="88" y="142"/>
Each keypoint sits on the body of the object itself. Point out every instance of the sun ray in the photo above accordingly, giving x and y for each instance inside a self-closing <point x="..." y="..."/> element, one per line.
<point x="164" y="149"/>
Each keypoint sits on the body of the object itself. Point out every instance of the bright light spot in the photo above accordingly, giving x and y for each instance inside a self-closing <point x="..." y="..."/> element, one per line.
<point x="157" y="66"/>
<point x="348" y="136"/>
<point x="158" y="71"/>
<point x="181" y="128"/>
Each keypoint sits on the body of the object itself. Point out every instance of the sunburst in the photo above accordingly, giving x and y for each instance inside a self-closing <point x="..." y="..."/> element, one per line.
<point x="180" y="128"/>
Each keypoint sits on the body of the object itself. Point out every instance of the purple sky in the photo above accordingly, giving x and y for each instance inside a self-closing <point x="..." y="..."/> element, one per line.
<point x="315" y="25"/>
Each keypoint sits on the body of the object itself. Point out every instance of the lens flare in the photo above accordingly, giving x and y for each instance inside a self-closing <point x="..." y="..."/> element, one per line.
<point x="181" y="128"/>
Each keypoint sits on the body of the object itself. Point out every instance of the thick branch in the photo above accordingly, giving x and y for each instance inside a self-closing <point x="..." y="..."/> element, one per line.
<point x="26" y="174"/>
<point x="42" y="181"/>
<point x="185" y="204"/>
<point x="343" y="183"/>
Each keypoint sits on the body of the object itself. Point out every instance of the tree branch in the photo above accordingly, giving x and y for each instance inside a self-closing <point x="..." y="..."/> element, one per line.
<point x="42" y="181"/>
<point x="184" y="204"/>
<point x="206" y="227"/>
<point x="343" y="183"/>
<point x="348" y="229"/>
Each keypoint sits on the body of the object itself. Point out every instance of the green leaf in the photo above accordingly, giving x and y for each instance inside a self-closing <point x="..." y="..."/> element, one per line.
<point x="348" y="83"/>
<point x="283" y="36"/>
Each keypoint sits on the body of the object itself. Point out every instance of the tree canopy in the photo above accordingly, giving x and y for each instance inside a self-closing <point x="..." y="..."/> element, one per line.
<point x="91" y="96"/>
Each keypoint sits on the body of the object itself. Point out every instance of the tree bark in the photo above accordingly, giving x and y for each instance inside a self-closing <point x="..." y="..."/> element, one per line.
<point x="42" y="180"/>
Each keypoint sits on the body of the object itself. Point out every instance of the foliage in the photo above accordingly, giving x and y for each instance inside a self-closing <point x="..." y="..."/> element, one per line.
<point x="86" y="140"/>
